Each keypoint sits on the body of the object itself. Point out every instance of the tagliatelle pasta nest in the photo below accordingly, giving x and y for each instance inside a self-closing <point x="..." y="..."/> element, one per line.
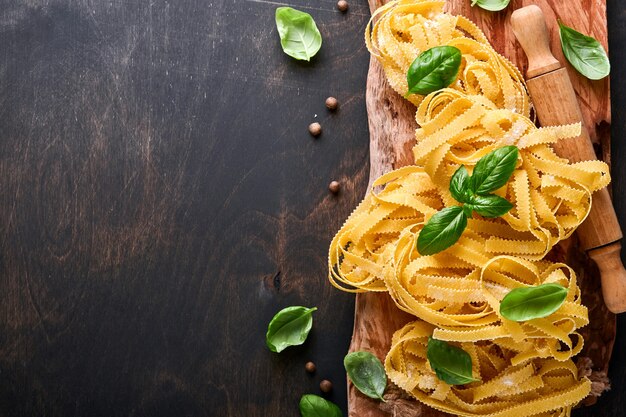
<point x="537" y="386"/>
<point x="405" y="28"/>
<point x="456" y="293"/>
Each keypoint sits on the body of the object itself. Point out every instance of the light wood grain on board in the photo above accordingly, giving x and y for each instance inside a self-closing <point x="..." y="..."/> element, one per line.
<point x="392" y="126"/>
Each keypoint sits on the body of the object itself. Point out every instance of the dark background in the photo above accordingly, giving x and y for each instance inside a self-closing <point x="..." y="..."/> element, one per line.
<point x="161" y="199"/>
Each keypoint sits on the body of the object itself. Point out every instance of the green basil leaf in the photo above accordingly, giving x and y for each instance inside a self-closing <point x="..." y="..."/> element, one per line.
<point x="584" y="53"/>
<point x="467" y="209"/>
<point x="452" y="364"/>
<point x="459" y="185"/>
<point x="490" y="205"/>
<point x="493" y="170"/>
<point x="298" y="33"/>
<point x="434" y="69"/>
<point x="442" y="230"/>
<point x="367" y="373"/>
<point x="529" y="303"/>
<point x="316" y="406"/>
<point x="491" y="5"/>
<point x="289" y="327"/>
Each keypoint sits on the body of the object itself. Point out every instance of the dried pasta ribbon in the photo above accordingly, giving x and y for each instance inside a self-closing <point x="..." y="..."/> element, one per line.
<point x="487" y="108"/>
<point x="363" y="248"/>
<point x="360" y="252"/>
<point x="537" y="387"/>
<point x="464" y="303"/>
<point x="401" y="30"/>
<point x="551" y="196"/>
<point x="525" y="368"/>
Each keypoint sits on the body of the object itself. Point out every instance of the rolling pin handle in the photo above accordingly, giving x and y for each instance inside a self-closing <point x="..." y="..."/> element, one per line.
<point x="555" y="103"/>
<point x="529" y="27"/>
<point x="613" y="275"/>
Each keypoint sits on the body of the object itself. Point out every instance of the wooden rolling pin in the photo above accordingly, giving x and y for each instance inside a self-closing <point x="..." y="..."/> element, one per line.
<point x="555" y="103"/>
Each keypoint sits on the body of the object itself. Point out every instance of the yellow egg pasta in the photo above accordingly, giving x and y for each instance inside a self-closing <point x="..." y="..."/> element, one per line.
<point x="525" y="368"/>
<point x="536" y="387"/>
<point x="551" y="195"/>
<point x="405" y="28"/>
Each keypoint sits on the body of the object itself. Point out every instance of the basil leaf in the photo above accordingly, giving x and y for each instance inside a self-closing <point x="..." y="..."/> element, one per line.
<point x="529" y="303"/>
<point x="490" y="205"/>
<point x="367" y="373"/>
<point x="289" y="327"/>
<point x="316" y="406"/>
<point x="491" y="5"/>
<point x="584" y="53"/>
<point x="442" y="230"/>
<point x="452" y="364"/>
<point x="459" y="185"/>
<point x="467" y="209"/>
<point x="298" y="33"/>
<point x="433" y="69"/>
<point x="493" y="170"/>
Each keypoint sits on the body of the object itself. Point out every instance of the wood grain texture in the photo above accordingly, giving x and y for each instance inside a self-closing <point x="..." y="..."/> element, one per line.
<point x="161" y="198"/>
<point x="396" y="137"/>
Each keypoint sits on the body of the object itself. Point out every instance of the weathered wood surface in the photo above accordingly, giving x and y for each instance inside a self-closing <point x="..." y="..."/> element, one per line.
<point x="161" y="198"/>
<point x="392" y="124"/>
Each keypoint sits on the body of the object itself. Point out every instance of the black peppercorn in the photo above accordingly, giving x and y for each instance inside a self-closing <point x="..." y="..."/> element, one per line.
<point x="326" y="386"/>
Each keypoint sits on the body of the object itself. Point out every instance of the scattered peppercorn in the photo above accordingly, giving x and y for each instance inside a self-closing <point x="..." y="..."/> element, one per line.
<point x="326" y="386"/>
<point x="332" y="103"/>
<point x="334" y="187"/>
<point x="342" y="5"/>
<point x="315" y="129"/>
<point x="310" y="367"/>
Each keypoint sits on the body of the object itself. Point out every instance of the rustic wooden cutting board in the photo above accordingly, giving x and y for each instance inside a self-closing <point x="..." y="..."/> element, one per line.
<point x="392" y="126"/>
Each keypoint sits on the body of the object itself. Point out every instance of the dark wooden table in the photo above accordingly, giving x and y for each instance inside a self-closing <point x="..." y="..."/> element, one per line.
<point x="161" y="199"/>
